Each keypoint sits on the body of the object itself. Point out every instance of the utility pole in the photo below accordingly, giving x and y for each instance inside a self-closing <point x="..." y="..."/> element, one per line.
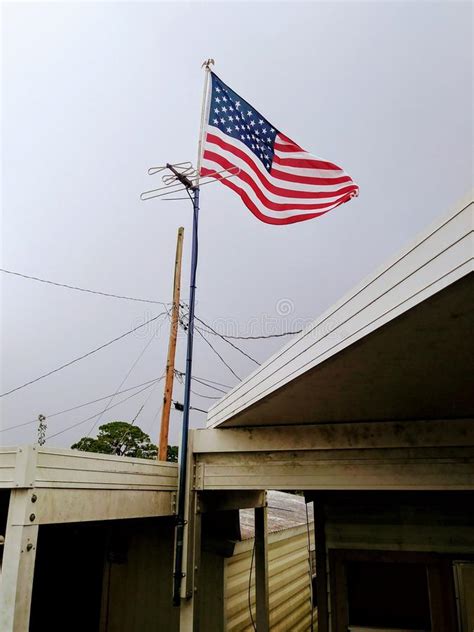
<point x="168" y="393"/>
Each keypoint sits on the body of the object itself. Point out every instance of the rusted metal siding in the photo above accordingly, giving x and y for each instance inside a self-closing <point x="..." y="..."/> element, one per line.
<point x="289" y="583"/>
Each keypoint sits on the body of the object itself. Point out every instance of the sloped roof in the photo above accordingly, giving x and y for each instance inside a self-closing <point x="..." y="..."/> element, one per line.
<point x="284" y="512"/>
<point x="382" y="352"/>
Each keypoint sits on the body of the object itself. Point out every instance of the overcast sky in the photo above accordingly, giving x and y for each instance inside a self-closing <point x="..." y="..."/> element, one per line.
<point x="93" y="94"/>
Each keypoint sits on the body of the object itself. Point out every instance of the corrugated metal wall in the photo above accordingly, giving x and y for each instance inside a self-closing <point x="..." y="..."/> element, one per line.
<point x="289" y="579"/>
<point x="136" y="595"/>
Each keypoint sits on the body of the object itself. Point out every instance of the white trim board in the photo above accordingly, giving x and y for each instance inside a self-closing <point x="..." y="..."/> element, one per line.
<point x="438" y="258"/>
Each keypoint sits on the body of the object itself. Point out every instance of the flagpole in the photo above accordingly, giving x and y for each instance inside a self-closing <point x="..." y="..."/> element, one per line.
<point x="183" y="459"/>
<point x="204" y="116"/>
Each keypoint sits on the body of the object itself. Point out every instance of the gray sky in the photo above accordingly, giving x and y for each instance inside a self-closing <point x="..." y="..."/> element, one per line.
<point x="95" y="93"/>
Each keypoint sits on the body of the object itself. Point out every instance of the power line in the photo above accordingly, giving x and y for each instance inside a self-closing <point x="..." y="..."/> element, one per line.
<point x="260" y="337"/>
<point x="218" y="354"/>
<point x="85" y="355"/>
<point x="220" y="390"/>
<point x="203" y="381"/>
<point x="155" y="417"/>
<point x="264" y="337"/>
<point x="198" y="409"/>
<point x="216" y="333"/>
<point x="179" y="406"/>
<point x="127" y="375"/>
<point x="224" y="338"/>
<point x="83" y="421"/>
<point x="119" y="443"/>
<point x="81" y="289"/>
<point x="145" y="300"/>
<point x="204" y="396"/>
<point x="94" y="401"/>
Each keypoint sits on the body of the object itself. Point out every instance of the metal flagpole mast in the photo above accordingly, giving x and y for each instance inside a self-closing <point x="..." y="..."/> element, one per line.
<point x="180" y="523"/>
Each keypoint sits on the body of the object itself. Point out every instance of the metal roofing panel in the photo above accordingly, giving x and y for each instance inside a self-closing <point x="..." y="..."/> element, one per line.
<point x="435" y="261"/>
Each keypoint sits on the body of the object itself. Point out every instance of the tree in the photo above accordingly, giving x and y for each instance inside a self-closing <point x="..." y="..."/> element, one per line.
<point x="172" y="453"/>
<point x="119" y="437"/>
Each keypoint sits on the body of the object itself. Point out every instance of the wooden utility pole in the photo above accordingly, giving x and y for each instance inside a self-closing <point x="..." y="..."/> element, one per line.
<point x="168" y="394"/>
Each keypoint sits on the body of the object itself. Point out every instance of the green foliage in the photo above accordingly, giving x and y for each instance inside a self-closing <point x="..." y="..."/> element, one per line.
<point x="119" y="437"/>
<point x="172" y="453"/>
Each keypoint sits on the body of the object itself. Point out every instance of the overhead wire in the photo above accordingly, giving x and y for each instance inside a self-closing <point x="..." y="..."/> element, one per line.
<point x="82" y="289"/>
<point x="127" y="375"/>
<point x="82" y="357"/>
<point x="210" y="383"/>
<point x="155" y="417"/>
<point x="120" y="442"/>
<point x="220" y="390"/>
<point x="218" y="354"/>
<point x="204" y="396"/>
<point x="83" y="421"/>
<point x="264" y="336"/>
<point x="198" y="409"/>
<point x="93" y="401"/>
<point x="144" y="300"/>
<point x="204" y="379"/>
<point x="216" y="333"/>
<point x="224" y="338"/>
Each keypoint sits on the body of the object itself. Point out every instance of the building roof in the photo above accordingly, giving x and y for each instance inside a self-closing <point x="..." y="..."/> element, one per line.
<point x="384" y="351"/>
<point x="284" y="512"/>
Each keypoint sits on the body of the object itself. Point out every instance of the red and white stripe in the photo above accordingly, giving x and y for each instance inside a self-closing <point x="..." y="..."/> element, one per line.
<point x="298" y="186"/>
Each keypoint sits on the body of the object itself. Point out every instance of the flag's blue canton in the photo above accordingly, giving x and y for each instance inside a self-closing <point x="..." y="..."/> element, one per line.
<point x="238" y="119"/>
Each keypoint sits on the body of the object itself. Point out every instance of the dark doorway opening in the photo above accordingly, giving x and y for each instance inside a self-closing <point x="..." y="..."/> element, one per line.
<point x="68" y="578"/>
<point x="388" y="595"/>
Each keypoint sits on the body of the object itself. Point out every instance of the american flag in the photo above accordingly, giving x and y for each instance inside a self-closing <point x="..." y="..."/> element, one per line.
<point x="278" y="181"/>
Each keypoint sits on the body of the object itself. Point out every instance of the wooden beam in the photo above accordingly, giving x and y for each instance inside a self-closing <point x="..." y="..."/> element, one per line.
<point x="261" y="570"/>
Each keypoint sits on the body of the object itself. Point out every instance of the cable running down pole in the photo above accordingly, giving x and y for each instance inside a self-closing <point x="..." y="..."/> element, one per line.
<point x="183" y="474"/>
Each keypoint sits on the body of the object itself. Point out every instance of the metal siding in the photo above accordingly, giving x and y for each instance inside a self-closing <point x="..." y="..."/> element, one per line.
<point x="137" y="592"/>
<point x="72" y="468"/>
<point x="7" y="467"/>
<point x="289" y="582"/>
<point x="406" y="525"/>
<point x="44" y="467"/>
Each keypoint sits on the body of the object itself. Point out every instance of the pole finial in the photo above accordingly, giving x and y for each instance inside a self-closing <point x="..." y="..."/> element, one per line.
<point x="208" y="63"/>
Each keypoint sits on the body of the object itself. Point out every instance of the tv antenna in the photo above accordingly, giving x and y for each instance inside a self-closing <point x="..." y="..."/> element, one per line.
<point x="182" y="176"/>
